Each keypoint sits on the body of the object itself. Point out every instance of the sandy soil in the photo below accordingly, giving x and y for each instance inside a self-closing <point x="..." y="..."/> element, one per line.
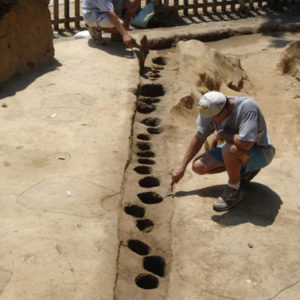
<point x="86" y="164"/>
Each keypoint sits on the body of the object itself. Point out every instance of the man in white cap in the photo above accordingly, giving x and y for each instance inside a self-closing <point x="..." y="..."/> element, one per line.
<point x="239" y="124"/>
<point x="110" y="16"/>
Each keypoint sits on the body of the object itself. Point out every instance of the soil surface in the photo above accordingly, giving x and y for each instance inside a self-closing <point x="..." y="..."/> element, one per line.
<point x="87" y="150"/>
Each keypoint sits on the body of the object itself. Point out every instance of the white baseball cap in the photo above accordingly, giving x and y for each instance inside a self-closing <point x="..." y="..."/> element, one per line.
<point x="211" y="103"/>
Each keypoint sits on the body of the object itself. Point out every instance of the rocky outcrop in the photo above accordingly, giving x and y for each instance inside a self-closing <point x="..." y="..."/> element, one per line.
<point x="289" y="62"/>
<point x="25" y="36"/>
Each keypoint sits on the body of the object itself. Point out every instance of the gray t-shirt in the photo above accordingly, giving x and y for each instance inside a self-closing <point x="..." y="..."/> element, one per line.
<point x="246" y="119"/>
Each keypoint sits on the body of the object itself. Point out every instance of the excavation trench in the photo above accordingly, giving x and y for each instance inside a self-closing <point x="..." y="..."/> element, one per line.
<point x="144" y="257"/>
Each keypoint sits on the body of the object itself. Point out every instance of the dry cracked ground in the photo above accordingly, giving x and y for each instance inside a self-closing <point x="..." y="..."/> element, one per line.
<point x="87" y="148"/>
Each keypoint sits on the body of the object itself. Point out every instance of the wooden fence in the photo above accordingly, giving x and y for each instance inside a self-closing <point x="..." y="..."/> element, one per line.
<point x="179" y="7"/>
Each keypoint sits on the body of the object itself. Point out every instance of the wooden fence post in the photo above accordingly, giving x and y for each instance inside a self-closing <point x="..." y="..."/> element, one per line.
<point x="67" y="14"/>
<point x="55" y="14"/>
<point x="77" y="13"/>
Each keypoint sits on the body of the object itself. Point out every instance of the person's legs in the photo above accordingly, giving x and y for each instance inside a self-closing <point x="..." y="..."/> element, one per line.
<point x="234" y="160"/>
<point x="208" y="163"/>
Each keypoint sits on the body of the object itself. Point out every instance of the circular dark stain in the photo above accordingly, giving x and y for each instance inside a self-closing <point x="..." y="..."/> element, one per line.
<point x="145" y="225"/>
<point x="152" y="122"/>
<point x="152" y="90"/>
<point x="143" y="170"/>
<point x="159" y="60"/>
<point x="146" y="281"/>
<point x="146" y="154"/>
<point x="155" y="265"/>
<point x="143" y="137"/>
<point x="135" y="211"/>
<point x="143" y="146"/>
<point x="149" y="182"/>
<point x="150" y="197"/>
<point x="145" y="161"/>
<point x="145" y="108"/>
<point x="154" y="130"/>
<point x="138" y="247"/>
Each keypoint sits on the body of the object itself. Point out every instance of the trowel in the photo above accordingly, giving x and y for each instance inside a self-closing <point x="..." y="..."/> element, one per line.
<point x="170" y="190"/>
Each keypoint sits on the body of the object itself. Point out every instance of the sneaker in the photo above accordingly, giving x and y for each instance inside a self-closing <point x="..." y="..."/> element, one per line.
<point x="246" y="178"/>
<point x="229" y="198"/>
<point x="96" y="36"/>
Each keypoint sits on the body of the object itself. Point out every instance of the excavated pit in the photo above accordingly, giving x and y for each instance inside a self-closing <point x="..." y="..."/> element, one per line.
<point x="149" y="182"/>
<point x="152" y="90"/>
<point x="143" y="170"/>
<point x="145" y="161"/>
<point x="146" y="281"/>
<point x="155" y="265"/>
<point x="154" y="130"/>
<point x="146" y="154"/>
<point x="150" y="197"/>
<point x="138" y="247"/>
<point x="143" y="137"/>
<point x="159" y="60"/>
<point x="144" y="108"/>
<point x="135" y="211"/>
<point x="145" y="225"/>
<point x="143" y="146"/>
<point x="152" y="122"/>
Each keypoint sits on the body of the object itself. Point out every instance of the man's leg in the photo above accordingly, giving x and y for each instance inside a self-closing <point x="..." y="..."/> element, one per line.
<point x="234" y="160"/>
<point x="207" y="163"/>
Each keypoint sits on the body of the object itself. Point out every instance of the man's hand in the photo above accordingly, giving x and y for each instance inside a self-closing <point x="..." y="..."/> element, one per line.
<point x="177" y="174"/>
<point x="127" y="40"/>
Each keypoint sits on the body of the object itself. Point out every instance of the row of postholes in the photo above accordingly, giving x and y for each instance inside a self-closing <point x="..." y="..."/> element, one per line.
<point x="148" y="99"/>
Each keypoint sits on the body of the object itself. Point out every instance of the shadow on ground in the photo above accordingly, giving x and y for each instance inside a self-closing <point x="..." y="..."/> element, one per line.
<point x="116" y="48"/>
<point x="260" y="206"/>
<point x="22" y="81"/>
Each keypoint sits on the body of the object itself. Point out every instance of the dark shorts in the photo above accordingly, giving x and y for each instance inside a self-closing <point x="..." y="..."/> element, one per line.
<point x="256" y="161"/>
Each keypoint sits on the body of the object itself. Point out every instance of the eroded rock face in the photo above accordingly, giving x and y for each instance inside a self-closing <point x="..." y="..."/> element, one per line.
<point x="209" y="69"/>
<point x="25" y="36"/>
<point x="289" y="62"/>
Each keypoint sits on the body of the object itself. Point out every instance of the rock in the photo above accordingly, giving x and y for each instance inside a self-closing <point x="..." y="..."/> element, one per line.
<point x="289" y="62"/>
<point x="212" y="69"/>
<point x="26" y="36"/>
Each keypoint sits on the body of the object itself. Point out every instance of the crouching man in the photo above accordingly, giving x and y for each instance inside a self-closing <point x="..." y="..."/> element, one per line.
<point x="110" y="16"/>
<point x="239" y="124"/>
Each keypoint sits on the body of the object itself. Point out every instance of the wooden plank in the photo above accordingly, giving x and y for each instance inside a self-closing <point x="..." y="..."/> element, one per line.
<point x="67" y="14"/>
<point x="55" y="13"/>
<point x="77" y="13"/>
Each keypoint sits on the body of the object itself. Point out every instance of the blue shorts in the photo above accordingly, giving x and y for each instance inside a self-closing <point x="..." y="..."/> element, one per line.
<point x="256" y="161"/>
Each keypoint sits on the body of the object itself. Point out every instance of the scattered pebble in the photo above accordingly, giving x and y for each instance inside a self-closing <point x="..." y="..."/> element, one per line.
<point x="250" y="245"/>
<point x="251" y="282"/>
<point x="69" y="193"/>
<point x="4" y="105"/>
<point x="53" y="116"/>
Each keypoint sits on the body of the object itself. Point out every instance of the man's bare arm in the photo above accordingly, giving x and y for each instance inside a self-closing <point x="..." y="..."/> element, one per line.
<point x="120" y="28"/>
<point x="193" y="148"/>
<point x="234" y="139"/>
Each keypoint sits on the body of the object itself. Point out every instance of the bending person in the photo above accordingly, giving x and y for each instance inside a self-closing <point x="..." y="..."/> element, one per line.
<point x="239" y="124"/>
<point x="109" y="16"/>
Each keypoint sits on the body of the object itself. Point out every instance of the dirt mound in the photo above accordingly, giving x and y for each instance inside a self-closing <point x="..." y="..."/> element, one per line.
<point x="207" y="69"/>
<point x="289" y="62"/>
